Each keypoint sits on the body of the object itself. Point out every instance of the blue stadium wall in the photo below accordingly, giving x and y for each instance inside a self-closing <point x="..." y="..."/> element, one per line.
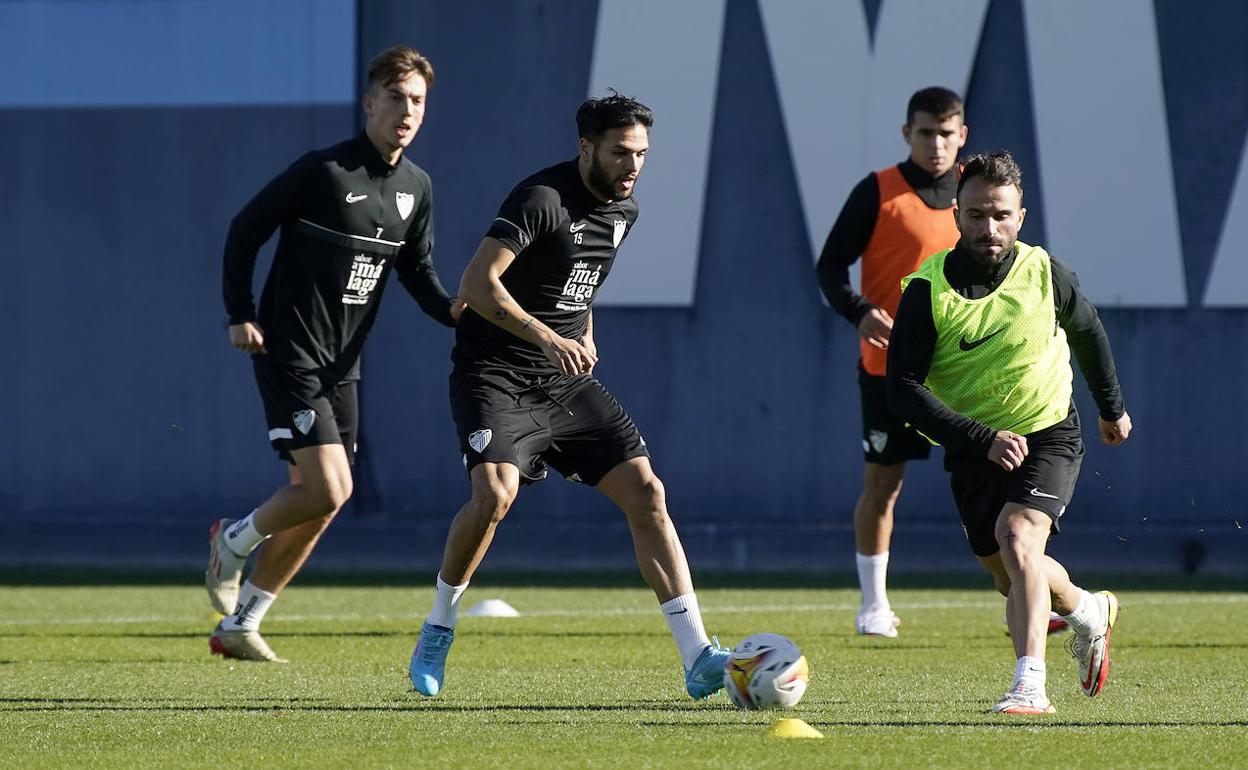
<point x="131" y="132"/>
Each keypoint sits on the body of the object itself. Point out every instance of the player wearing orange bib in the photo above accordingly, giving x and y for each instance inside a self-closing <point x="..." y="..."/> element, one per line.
<point x="893" y="219"/>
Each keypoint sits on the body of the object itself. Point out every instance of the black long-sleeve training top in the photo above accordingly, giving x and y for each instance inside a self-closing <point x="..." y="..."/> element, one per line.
<point x="852" y="231"/>
<point x="913" y="341"/>
<point x="347" y="217"/>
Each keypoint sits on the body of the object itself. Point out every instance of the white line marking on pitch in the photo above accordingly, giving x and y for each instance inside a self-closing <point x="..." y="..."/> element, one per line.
<point x="624" y="611"/>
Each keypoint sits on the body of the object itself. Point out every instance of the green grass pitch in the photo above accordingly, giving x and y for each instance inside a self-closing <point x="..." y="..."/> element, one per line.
<point x="120" y="676"/>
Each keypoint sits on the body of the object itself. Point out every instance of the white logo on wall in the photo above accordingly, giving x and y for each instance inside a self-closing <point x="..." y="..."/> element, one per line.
<point x="580" y="285"/>
<point x="1080" y="78"/>
<point x="480" y="439"/>
<point x="363" y="279"/>
<point x="303" y="420"/>
<point x="621" y="227"/>
<point x="404" y="201"/>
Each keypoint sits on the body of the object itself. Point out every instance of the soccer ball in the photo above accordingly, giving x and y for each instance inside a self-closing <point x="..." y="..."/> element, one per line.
<point x="766" y="671"/>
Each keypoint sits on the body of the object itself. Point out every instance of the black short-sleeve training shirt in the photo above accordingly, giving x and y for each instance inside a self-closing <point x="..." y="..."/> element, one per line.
<point x="565" y="242"/>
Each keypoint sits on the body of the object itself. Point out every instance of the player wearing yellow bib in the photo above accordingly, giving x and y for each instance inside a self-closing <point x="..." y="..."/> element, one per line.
<point x="979" y="361"/>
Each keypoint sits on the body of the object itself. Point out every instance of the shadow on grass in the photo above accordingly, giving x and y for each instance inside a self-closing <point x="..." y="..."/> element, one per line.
<point x="411" y="633"/>
<point x="110" y="661"/>
<point x="259" y="705"/>
<point x="315" y="705"/>
<point x="200" y="634"/>
<point x="1134" y="645"/>
<point x="1029" y="723"/>
<point x="992" y="723"/>
<point x="495" y="633"/>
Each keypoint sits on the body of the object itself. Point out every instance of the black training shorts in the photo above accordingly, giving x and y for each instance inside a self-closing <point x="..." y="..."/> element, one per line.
<point x="569" y="422"/>
<point x="886" y="439"/>
<point x="303" y="410"/>
<point x="1046" y="482"/>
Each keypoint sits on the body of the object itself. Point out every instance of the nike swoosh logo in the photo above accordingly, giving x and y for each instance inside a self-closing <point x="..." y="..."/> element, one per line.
<point x="679" y="612"/>
<point x="1093" y="672"/>
<point x="577" y="228"/>
<point x="962" y="343"/>
<point x="1035" y="492"/>
<point x="353" y="198"/>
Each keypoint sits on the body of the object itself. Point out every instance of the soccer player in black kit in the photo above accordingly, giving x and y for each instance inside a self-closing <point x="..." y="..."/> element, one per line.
<point x="348" y="214"/>
<point x="522" y="392"/>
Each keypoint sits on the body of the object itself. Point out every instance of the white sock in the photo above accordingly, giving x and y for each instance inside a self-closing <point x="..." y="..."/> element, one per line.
<point x="253" y="603"/>
<point x="1087" y="615"/>
<point x="445" y="610"/>
<point x="242" y="537"/>
<point x="872" y="574"/>
<point x="684" y="619"/>
<point x="1030" y="672"/>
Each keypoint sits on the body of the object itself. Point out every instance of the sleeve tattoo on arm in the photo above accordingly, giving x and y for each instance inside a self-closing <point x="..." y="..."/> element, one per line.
<point x="502" y="298"/>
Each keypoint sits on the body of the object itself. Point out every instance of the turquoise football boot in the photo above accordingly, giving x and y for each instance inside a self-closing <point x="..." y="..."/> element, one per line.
<point x="428" y="666"/>
<point x="706" y="676"/>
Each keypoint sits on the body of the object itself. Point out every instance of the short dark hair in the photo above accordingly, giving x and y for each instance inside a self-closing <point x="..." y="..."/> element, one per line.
<point x="396" y="63"/>
<point x="937" y="101"/>
<point x="595" y="117"/>
<point x="998" y="169"/>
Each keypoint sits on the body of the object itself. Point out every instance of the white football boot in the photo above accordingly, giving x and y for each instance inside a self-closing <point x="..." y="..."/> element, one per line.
<point x="243" y="644"/>
<point x="876" y="621"/>
<point x="224" y="575"/>
<point x="1091" y="651"/>
<point x="1024" y="700"/>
